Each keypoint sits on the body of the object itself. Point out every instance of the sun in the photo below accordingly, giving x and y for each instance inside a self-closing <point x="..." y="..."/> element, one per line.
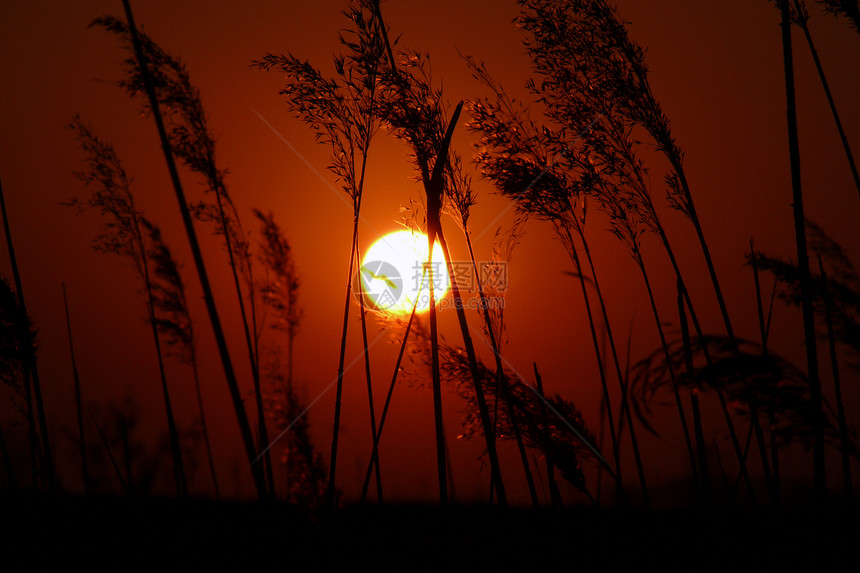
<point x="392" y="271"/>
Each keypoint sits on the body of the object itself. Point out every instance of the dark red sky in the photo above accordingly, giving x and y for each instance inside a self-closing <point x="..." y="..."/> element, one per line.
<point x="715" y="67"/>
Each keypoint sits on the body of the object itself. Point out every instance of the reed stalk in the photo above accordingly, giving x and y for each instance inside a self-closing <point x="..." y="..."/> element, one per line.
<point x="233" y="386"/>
<point x="734" y="490"/>
<point x="175" y="449"/>
<point x="109" y="450"/>
<point x="280" y="293"/>
<point x="656" y="225"/>
<point x="123" y="236"/>
<point x="251" y="340"/>
<point x="840" y="294"/>
<point x="433" y="187"/>
<point x="844" y="438"/>
<point x="764" y="331"/>
<point x="8" y="468"/>
<point x="698" y="430"/>
<point x="342" y="356"/>
<point x="521" y="170"/>
<point x="126" y="451"/>
<point x="175" y="324"/>
<point x="547" y="170"/>
<point x="640" y="263"/>
<point x="764" y="327"/>
<point x="341" y="112"/>
<point x="78" y="404"/>
<point x="570" y="438"/>
<point x="406" y="111"/>
<point x="596" y="86"/>
<point x="554" y="493"/>
<point x="501" y="383"/>
<point x="374" y="454"/>
<point x="807" y="302"/>
<point x="441" y="460"/>
<point x="574" y="257"/>
<point x="15" y="373"/>
<point x="194" y="145"/>
<point x="625" y="410"/>
<point x="368" y="379"/>
<point x="31" y="370"/>
<point x="801" y="16"/>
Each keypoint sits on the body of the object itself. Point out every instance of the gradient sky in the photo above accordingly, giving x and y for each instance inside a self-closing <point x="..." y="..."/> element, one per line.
<point x="716" y="68"/>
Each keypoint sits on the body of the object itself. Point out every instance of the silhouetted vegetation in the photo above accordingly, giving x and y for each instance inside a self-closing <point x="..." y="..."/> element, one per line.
<point x="341" y="113"/>
<point x="123" y="235"/>
<point x="589" y="141"/>
<point x="848" y="9"/>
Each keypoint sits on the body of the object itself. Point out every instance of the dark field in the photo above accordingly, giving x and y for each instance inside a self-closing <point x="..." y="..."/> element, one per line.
<point x="199" y="535"/>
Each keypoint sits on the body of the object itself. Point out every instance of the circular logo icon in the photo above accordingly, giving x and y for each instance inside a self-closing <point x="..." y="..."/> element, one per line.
<point x="380" y="283"/>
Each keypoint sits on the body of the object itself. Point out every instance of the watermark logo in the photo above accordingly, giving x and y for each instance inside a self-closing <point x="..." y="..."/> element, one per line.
<point x="380" y="283"/>
<point x="393" y="289"/>
<point x="491" y="276"/>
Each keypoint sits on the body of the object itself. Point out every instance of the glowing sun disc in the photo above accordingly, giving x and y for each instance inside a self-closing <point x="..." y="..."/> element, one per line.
<point x="392" y="271"/>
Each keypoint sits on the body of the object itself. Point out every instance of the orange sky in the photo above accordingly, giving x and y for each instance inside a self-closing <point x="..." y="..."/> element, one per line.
<point x="715" y="67"/>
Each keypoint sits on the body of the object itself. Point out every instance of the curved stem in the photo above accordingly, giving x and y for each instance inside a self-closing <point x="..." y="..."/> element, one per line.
<point x="78" y="402"/>
<point x="574" y="256"/>
<point x="437" y="381"/>
<point x="625" y="410"/>
<point x="263" y="434"/>
<point x="203" y="424"/>
<point x="31" y="370"/>
<point x="378" y="436"/>
<point x="501" y="382"/>
<point x="367" y="374"/>
<point x="330" y="491"/>
<point x="806" y="294"/>
<point x="821" y="75"/>
<point x="480" y="398"/>
<point x="673" y="377"/>
<point x="176" y="450"/>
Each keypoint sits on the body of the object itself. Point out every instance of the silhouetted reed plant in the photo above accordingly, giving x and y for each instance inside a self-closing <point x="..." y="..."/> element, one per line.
<point x="848" y="9"/>
<point x="413" y="111"/>
<point x="79" y="410"/>
<point x="306" y="474"/>
<point x="459" y="200"/>
<point x="800" y="16"/>
<point x="174" y="323"/>
<point x="13" y="358"/>
<point x="41" y="456"/>
<point x="280" y="286"/>
<point x="562" y="435"/>
<point x="341" y="113"/>
<point x="517" y="156"/>
<point x="580" y="142"/>
<point x="279" y="290"/>
<point x="193" y="144"/>
<point x="836" y="301"/>
<point x="804" y="273"/>
<point x="122" y="234"/>
<point x="591" y="81"/>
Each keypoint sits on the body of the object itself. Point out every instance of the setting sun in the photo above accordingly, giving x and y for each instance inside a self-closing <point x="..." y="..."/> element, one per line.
<point x="391" y="272"/>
